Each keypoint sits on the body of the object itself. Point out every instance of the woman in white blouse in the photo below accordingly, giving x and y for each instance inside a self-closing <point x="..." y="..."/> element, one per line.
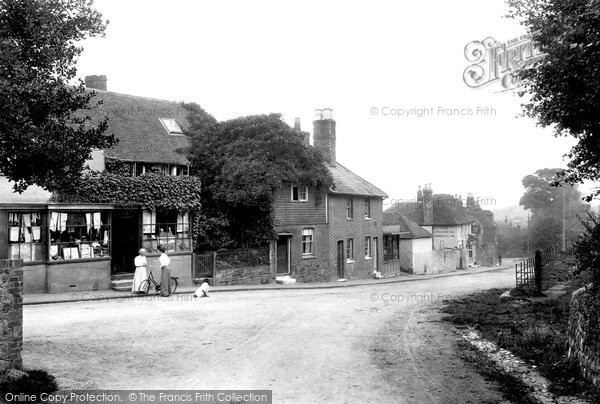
<point x="141" y="272"/>
<point x="165" y="272"/>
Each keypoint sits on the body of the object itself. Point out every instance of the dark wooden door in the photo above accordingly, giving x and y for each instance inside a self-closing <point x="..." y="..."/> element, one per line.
<point x="126" y="240"/>
<point x="282" y="255"/>
<point x="340" y="259"/>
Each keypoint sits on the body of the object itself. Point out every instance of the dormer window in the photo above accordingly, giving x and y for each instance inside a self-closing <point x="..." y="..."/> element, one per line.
<point x="299" y="193"/>
<point x="171" y="126"/>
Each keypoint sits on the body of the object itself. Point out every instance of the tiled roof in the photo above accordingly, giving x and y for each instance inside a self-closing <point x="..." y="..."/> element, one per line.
<point x="447" y="211"/>
<point x="348" y="183"/>
<point x="403" y="226"/>
<point x="135" y="121"/>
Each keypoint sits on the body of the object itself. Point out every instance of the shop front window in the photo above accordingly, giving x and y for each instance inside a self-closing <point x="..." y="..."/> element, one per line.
<point x="26" y="236"/>
<point x="79" y="235"/>
<point x="167" y="227"/>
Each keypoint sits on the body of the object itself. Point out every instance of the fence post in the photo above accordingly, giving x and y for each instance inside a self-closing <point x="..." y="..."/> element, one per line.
<point x="538" y="271"/>
<point x="214" y="264"/>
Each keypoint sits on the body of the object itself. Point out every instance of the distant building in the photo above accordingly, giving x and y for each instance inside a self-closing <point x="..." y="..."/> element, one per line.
<point x="445" y="218"/>
<point x="485" y="245"/>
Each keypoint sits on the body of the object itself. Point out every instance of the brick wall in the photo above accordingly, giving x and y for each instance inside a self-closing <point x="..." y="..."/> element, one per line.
<point x="315" y="268"/>
<point x="242" y="276"/>
<point x="11" y="314"/>
<point x="584" y="333"/>
<point x="340" y="229"/>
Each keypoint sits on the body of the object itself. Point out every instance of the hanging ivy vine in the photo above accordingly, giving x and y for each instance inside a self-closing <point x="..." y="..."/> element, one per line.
<point x="151" y="190"/>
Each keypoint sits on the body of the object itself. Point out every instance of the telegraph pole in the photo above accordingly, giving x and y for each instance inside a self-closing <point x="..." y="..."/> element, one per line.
<point x="564" y="220"/>
<point x="528" y="234"/>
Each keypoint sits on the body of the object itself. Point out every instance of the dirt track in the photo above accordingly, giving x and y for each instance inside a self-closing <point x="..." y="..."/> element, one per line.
<point x="363" y="344"/>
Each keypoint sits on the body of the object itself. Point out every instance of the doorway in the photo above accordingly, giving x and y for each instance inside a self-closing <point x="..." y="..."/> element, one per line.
<point x="126" y="240"/>
<point x="340" y="259"/>
<point x="283" y="254"/>
<point x="375" y="252"/>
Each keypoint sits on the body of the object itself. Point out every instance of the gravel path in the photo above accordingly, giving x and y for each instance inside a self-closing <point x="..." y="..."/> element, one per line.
<point x="381" y="343"/>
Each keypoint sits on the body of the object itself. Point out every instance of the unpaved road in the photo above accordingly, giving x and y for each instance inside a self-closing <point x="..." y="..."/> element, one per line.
<point x="380" y="343"/>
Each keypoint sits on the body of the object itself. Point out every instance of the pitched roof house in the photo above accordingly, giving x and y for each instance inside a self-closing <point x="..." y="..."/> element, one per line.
<point x="68" y="247"/>
<point x="325" y="235"/>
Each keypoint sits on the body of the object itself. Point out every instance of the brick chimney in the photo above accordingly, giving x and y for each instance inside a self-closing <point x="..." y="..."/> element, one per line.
<point x="419" y="194"/>
<point x="96" y="82"/>
<point x="324" y="134"/>
<point x="427" y="205"/>
<point x="471" y="200"/>
<point x="305" y="135"/>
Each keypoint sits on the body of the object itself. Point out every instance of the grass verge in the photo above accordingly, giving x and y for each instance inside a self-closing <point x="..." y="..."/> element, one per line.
<point x="533" y="329"/>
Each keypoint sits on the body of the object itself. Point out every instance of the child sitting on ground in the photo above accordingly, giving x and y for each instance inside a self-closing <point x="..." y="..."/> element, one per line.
<point x="202" y="291"/>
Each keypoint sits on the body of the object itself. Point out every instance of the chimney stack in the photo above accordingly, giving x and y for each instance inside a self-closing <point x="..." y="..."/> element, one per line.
<point x="419" y="194"/>
<point x="324" y="134"/>
<point x="470" y="200"/>
<point x="427" y="205"/>
<point x="96" y="82"/>
<point x="305" y="135"/>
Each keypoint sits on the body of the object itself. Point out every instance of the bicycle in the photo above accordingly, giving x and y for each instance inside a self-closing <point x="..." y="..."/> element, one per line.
<point x="145" y="285"/>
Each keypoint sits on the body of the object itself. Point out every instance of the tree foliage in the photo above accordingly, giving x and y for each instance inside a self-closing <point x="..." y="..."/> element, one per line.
<point x="41" y="140"/>
<point x="546" y="201"/>
<point x="564" y="86"/>
<point x="587" y="249"/>
<point x="241" y="163"/>
<point x="151" y="190"/>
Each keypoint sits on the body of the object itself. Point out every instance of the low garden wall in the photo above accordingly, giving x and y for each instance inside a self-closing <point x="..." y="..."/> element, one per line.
<point x="584" y="332"/>
<point x="255" y="275"/>
<point x="11" y="314"/>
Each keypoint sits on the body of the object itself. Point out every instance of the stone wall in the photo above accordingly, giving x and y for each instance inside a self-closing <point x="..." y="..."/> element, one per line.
<point x="584" y="333"/>
<point x="11" y="314"/>
<point x="257" y="275"/>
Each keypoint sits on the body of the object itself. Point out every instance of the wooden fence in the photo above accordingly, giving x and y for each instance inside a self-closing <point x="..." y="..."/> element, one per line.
<point x="525" y="270"/>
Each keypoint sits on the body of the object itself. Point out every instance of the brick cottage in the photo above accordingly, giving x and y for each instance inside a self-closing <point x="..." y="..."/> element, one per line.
<point x="329" y="234"/>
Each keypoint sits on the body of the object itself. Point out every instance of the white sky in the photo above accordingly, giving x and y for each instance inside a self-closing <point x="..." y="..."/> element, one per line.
<point x="237" y="58"/>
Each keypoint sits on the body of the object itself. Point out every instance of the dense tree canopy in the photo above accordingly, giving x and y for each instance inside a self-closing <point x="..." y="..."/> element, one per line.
<point x="563" y="88"/>
<point x="546" y="202"/>
<point x="241" y="163"/>
<point x="41" y="140"/>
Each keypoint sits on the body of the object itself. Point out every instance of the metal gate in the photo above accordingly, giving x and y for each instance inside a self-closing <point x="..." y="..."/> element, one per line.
<point x="204" y="266"/>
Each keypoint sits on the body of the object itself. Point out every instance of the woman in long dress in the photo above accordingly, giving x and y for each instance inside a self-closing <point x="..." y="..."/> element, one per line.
<point x="165" y="272"/>
<point x="141" y="271"/>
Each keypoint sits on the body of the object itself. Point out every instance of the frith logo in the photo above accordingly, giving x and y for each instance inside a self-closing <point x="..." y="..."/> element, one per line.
<point x="493" y="61"/>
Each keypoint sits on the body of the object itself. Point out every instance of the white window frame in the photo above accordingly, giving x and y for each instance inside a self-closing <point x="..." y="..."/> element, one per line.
<point x="306" y="232"/>
<point x="349" y="250"/>
<point x="350" y="208"/>
<point x="367" y="208"/>
<point x="171" y="126"/>
<point x="298" y="187"/>
<point x="368" y="248"/>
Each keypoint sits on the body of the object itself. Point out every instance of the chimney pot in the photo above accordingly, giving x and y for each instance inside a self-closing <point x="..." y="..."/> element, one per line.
<point x="297" y="124"/>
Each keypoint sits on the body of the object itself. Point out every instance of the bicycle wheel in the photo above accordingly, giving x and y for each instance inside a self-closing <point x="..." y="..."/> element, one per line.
<point x="144" y="287"/>
<point x="174" y="285"/>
